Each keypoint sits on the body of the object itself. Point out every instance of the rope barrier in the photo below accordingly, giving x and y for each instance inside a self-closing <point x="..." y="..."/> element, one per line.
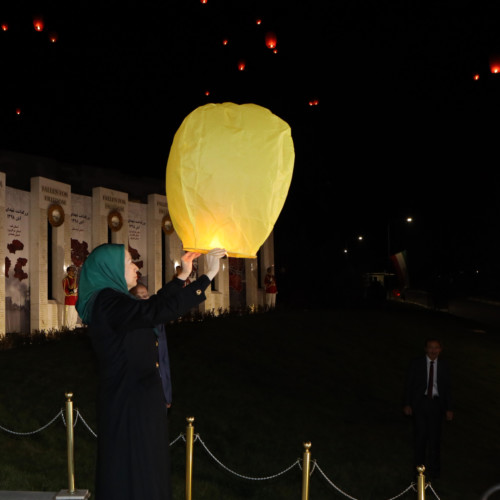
<point x="181" y="436"/>
<point x="198" y="438"/>
<point x="36" y="431"/>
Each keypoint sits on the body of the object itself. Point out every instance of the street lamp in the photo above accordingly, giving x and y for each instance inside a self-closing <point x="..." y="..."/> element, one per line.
<point x="408" y="220"/>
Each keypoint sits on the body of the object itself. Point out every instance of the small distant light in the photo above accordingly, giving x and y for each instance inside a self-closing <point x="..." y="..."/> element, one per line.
<point x="360" y="238"/>
<point x="258" y="21"/>
<point x="241" y="65"/>
<point x="203" y="1"/>
<point x="53" y="37"/>
<point x="207" y="92"/>
<point x="409" y="219"/>
<point x="345" y="250"/>
<point x="275" y="51"/>
<point x="225" y="41"/>
<point x="18" y="111"/>
<point x="5" y="27"/>
<point x="476" y="76"/>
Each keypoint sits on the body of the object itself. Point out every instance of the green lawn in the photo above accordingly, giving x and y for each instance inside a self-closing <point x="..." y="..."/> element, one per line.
<point x="259" y="386"/>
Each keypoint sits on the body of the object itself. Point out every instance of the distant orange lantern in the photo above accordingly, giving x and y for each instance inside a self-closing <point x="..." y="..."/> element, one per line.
<point x="225" y="41"/>
<point x="207" y="92"/>
<point x="18" y="111"/>
<point x="53" y="36"/>
<point x="203" y="1"/>
<point x="241" y="65"/>
<point x="313" y="102"/>
<point x="476" y="76"/>
<point x="271" y="40"/>
<point x="258" y="21"/>
<point x="495" y="63"/>
<point x="5" y="27"/>
<point x="38" y="23"/>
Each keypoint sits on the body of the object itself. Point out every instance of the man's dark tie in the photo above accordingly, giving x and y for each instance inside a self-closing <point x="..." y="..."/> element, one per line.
<point x="431" y="380"/>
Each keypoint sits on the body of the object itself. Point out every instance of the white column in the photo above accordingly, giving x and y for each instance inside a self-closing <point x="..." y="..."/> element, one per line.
<point x="46" y="314"/>
<point x="104" y="202"/>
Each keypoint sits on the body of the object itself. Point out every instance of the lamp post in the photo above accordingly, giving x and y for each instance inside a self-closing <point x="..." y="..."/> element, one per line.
<point x="408" y="220"/>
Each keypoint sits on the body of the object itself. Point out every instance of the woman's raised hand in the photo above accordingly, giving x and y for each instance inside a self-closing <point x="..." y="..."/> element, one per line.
<point x="187" y="264"/>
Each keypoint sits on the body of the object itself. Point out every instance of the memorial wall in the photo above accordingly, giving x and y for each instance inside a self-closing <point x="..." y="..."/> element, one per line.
<point x="48" y="228"/>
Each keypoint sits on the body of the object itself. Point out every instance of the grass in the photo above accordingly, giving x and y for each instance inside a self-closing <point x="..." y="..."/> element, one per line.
<point x="261" y="385"/>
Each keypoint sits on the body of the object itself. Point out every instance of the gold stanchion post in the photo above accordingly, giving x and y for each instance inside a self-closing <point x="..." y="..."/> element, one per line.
<point x="306" y="467"/>
<point x="189" y="456"/>
<point x="421" y="482"/>
<point x="71" y="493"/>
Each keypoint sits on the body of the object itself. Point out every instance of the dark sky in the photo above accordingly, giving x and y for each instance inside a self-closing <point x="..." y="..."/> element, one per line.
<point x="401" y="127"/>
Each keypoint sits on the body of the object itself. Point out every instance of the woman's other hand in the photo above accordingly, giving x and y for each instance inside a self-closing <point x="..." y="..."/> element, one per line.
<point x="212" y="259"/>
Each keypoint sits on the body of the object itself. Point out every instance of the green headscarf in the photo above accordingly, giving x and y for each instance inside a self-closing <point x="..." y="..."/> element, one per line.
<point x="104" y="268"/>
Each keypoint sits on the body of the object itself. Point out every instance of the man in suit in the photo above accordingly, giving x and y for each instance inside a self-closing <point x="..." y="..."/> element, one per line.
<point x="428" y="401"/>
<point x="141" y="292"/>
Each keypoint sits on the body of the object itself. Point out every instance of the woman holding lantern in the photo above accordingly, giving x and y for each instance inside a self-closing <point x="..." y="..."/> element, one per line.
<point x="133" y="448"/>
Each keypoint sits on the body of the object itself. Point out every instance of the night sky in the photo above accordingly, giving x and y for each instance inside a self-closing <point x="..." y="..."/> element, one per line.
<point x="401" y="126"/>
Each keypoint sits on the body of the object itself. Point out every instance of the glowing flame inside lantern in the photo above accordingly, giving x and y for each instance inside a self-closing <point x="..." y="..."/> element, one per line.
<point x="241" y="65"/>
<point x="228" y="174"/>
<point x="5" y="27"/>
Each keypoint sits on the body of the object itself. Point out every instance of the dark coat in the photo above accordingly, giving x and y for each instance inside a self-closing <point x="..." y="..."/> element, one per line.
<point x="416" y="383"/>
<point x="133" y="447"/>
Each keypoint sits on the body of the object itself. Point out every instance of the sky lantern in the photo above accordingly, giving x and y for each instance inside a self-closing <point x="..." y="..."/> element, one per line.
<point x="203" y="1"/>
<point x="18" y="111"/>
<point x="258" y="21"/>
<point x="495" y="63"/>
<point x="271" y="40"/>
<point x="53" y="37"/>
<point x="4" y="26"/>
<point x="228" y="175"/>
<point x="225" y="41"/>
<point x="38" y="23"/>
<point x="476" y="76"/>
<point x="207" y="92"/>
<point x="241" y="65"/>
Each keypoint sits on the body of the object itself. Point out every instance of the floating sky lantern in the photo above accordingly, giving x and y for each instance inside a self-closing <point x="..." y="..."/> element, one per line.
<point x="271" y="40"/>
<point x="53" y="37"/>
<point x="38" y="23"/>
<point x="476" y="76"/>
<point x="228" y="174"/>
<point x="18" y="111"/>
<point x="4" y="26"/>
<point x="495" y="63"/>
<point x="313" y="102"/>
<point x="203" y="1"/>
<point x="207" y="92"/>
<point x="241" y="65"/>
<point x="225" y="41"/>
<point x="258" y="21"/>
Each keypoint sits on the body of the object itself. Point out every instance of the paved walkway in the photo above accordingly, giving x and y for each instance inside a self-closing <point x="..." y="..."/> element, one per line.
<point x="27" y="495"/>
<point x="43" y="495"/>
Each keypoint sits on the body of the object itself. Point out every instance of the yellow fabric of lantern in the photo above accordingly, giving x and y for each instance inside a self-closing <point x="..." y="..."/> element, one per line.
<point x="228" y="174"/>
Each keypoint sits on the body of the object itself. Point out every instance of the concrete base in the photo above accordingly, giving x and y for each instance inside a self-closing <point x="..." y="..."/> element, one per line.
<point x="76" y="495"/>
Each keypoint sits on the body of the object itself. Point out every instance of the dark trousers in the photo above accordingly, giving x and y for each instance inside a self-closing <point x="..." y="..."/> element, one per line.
<point x="428" y="418"/>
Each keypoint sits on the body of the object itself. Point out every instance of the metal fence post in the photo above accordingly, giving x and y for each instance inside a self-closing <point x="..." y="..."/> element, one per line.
<point x="71" y="493"/>
<point x="421" y="482"/>
<point x="306" y="467"/>
<point x="189" y="457"/>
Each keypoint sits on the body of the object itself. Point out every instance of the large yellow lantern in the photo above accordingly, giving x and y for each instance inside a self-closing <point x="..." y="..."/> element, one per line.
<point x="228" y="174"/>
